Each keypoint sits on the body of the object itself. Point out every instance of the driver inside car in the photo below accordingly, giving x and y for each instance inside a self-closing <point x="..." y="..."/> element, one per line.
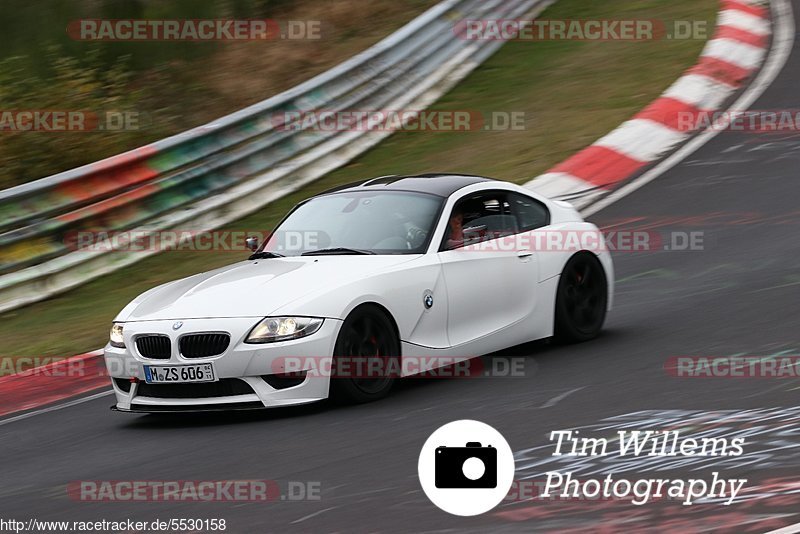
<point x="455" y="229"/>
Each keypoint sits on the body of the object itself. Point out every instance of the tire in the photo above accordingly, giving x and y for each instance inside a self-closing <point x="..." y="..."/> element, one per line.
<point x="581" y="299"/>
<point x="367" y="334"/>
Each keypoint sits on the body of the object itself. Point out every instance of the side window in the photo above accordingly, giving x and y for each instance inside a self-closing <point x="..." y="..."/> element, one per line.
<point x="529" y="213"/>
<point x="479" y="217"/>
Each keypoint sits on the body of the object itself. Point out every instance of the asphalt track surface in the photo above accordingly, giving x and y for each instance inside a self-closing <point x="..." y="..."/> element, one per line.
<point x="739" y="295"/>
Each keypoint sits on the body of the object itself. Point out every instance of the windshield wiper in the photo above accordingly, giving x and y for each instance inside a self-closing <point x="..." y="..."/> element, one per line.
<point x="265" y="255"/>
<point x="336" y="250"/>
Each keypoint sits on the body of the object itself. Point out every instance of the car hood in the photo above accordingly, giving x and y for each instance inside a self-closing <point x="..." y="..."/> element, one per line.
<point x="252" y="288"/>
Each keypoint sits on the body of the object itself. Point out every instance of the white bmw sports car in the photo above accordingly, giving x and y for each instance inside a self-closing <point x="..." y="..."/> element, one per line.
<point x="415" y="271"/>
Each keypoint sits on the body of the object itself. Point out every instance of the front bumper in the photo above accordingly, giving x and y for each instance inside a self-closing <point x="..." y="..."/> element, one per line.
<point x="240" y="369"/>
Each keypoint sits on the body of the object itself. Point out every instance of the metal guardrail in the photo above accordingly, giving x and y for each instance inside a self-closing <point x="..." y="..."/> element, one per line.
<point x="221" y="171"/>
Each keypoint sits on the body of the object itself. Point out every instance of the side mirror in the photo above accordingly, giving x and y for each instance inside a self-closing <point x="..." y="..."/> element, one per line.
<point x="251" y="243"/>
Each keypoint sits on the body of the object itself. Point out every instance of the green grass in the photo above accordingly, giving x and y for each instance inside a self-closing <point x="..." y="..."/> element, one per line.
<point x="571" y="92"/>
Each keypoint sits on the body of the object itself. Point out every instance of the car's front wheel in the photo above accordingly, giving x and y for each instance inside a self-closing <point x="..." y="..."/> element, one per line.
<point x="366" y="356"/>
<point x="581" y="299"/>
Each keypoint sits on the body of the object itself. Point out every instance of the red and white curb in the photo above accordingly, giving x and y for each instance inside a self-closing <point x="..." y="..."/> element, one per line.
<point x="728" y="60"/>
<point x="53" y="382"/>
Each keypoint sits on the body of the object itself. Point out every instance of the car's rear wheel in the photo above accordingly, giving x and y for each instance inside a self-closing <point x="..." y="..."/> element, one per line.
<point x="581" y="299"/>
<point x="366" y="355"/>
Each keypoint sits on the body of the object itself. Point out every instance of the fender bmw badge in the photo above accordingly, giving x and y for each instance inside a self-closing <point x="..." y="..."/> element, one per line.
<point x="427" y="299"/>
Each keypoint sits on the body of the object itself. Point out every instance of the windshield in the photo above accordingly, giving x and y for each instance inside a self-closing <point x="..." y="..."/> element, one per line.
<point x="386" y="222"/>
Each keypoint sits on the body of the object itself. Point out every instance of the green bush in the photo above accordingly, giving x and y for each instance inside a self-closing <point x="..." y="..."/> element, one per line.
<point x="88" y="85"/>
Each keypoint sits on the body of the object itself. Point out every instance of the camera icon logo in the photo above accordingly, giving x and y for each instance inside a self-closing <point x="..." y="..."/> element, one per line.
<point x="472" y="466"/>
<point x="466" y="467"/>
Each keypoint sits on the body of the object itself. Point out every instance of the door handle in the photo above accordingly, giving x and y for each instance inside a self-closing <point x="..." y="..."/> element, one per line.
<point x="522" y="254"/>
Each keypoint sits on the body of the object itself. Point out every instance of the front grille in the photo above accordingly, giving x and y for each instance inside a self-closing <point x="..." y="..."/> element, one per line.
<point x="203" y="345"/>
<point x="154" y="347"/>
<point x="225" y="387"/>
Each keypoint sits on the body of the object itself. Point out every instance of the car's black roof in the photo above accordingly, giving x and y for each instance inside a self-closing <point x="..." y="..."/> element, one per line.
<point x="442" y="185"/>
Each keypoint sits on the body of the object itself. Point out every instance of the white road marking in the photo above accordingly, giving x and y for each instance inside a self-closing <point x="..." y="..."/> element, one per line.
<point x="309" y="516"/>
<point x="791" y="529"/>
<point x="782" y="43"/>
<point x="56" y="407"/>
<point x="555" y="400"/>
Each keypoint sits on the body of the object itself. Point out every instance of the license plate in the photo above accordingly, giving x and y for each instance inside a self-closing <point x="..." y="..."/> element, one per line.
<point x="174" y="374"/>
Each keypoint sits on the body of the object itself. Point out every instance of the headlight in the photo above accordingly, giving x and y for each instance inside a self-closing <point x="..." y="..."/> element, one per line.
<point x="116" y="336"/>
<point x="283" y="328"/>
